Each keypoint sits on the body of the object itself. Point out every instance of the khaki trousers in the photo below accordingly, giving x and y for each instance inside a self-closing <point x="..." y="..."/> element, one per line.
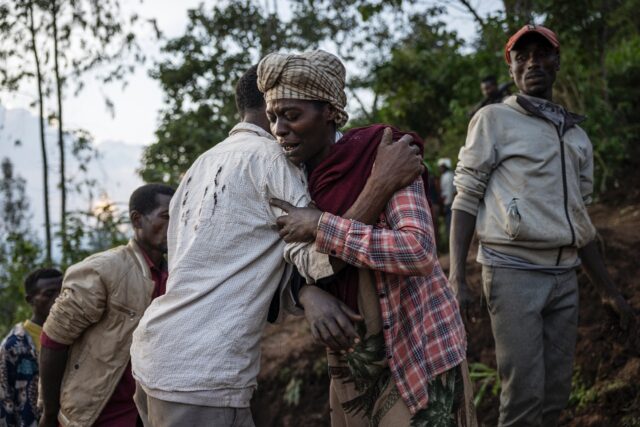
<point x="161" y="413"/>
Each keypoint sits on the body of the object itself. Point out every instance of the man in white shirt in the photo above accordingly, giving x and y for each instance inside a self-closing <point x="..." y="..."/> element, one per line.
<point x="195" y="354"/>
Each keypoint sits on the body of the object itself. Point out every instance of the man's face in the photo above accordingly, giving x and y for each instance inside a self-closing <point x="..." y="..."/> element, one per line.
<point x="45" y="293"/>
<point x="534" y="63"/>
<point x="151" y="228"/>
<point x="304" y="130"/>
<point x="489" y="89"/>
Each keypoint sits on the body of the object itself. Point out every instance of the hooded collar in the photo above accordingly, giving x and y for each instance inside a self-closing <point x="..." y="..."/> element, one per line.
<point x="524" y="104"/>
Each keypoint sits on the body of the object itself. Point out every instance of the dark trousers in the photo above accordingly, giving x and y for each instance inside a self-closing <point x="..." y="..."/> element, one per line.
<point x="534" y="319"/>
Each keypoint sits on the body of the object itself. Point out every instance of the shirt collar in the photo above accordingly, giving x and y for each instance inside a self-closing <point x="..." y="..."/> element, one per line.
<point x="250" y="127"/>
<point x="150" y="263"/>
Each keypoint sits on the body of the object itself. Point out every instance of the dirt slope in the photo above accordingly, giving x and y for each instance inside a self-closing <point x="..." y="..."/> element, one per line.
<point x="293" y="381"/>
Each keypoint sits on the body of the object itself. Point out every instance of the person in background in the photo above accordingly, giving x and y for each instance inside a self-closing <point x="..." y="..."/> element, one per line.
<point x="20" y="349"/>
<point x="524" y="180"/>
<point x="491" y="93"/>
<point x="85" y="370"/>
<point x="447" y="191"/>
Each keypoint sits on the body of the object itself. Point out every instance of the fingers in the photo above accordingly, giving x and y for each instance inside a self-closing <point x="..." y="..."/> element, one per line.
<point x="387" y="136"/>
<point x="347" y="328"/>
<point x="327" y="337"/>
<point x="285" y="206"/>
<point x="405" y="139"/>
<point x="355" y="317"/>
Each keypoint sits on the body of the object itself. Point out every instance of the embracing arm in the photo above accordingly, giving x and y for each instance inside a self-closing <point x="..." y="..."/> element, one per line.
<point x="397" y="165"/>
<point x="406" y="248"/>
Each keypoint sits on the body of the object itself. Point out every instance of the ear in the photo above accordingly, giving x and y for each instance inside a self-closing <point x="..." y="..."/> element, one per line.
<point x="558" y="61"/>
<point x="28" y="299"/>
<point x="135" y="218"/>
<point x="330" y="113"/>
<point x="510" y="72"/>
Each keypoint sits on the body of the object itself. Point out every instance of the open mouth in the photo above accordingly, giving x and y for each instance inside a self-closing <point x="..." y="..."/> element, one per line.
<point x="289" y="147"/>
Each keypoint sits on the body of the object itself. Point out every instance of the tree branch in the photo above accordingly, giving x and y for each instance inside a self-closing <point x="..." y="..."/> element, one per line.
<point x="473" y="12"/>
<point x="362" y="107"/>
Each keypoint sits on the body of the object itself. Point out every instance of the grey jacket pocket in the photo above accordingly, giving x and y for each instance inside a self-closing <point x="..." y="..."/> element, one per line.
<point x="513" y="219"/>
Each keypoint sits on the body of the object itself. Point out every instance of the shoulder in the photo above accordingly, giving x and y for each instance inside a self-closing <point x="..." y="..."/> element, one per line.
<point x="580" y="132"/>
<point x="493" y="111"/>
<point x="106" y="262"/>
<point x="14" y="338"/>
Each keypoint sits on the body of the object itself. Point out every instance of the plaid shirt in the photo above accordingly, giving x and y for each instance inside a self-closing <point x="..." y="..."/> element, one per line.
<point x="423" y="330"/>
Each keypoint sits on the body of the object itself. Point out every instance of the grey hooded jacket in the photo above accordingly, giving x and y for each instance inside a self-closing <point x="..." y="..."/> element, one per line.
<point x="527" y="182"/>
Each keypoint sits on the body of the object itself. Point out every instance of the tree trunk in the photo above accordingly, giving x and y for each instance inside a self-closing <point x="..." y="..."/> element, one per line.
<point x="63" y="181"/>
<point x="45" y="165"/>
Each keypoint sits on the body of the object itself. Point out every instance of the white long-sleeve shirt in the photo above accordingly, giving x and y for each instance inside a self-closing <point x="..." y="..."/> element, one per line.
<point x="200" y="342"/>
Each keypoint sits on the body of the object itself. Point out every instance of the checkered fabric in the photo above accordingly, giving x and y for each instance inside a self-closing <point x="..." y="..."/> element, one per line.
<point x="312" y="76"/>
<point x="423" y="331"/>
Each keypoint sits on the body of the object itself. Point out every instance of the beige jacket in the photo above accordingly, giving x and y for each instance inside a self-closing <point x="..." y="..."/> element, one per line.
<point x="102" y="299"/>
<point x="527" y="183"/>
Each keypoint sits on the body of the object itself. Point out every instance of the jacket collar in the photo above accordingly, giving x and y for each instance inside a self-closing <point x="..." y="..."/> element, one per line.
<point x="250" y="127"/>
<point x="140" y="258"/>
<point x="523" y="105"/>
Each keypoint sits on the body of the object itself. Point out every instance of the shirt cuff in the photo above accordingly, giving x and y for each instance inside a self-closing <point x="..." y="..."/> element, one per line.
<point x="332" y="234"/>
<point x="466" y="202"/>
<point x="51" y="344"/>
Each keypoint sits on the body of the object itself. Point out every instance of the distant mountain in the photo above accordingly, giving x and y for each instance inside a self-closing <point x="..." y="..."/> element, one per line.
<point x="114" y="170"/>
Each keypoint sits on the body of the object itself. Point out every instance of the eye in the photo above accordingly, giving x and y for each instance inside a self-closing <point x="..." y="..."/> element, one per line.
<point x="291" y="116"/>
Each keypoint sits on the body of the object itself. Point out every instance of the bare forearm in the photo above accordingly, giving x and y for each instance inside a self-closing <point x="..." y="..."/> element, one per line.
<point x="371" y="202"/>
<point x="52" y="366"/>
<point x="463" y="225"/>
<point x="366" y="209"/>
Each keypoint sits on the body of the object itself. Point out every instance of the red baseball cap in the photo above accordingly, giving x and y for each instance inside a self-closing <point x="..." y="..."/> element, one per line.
<point x="530" y="28"/>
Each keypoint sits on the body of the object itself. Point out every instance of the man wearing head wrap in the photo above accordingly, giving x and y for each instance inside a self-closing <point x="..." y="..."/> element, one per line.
<point x="400" y="360"/>
<point x="524" y="178"/>
<point x="196" y="352"/>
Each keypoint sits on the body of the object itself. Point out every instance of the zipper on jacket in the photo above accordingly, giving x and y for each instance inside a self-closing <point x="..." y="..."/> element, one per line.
<point x="566" y="193"/>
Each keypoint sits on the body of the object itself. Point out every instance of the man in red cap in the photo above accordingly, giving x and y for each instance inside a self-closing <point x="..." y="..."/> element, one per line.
<point x="524" y="178"/>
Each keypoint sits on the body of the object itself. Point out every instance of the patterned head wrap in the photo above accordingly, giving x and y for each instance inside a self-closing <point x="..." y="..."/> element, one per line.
<point x="312" y="76"/>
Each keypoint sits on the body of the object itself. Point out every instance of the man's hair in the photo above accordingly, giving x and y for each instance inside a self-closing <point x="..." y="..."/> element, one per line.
<point x="144" y="200"/>
<point x="489" y="79"/>
<point x="42" y="273"/>
<point x="248" y="96"/>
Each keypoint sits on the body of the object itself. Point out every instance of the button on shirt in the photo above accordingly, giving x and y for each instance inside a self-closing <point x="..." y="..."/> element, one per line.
<point x="200" y="343"/>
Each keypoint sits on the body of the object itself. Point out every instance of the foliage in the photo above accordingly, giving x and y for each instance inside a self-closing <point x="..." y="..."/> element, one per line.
<point x="487" y="377"/>
<point x="202" y="66"/>
<point x="404" y="67"/>
<point x="19" y="251"/>
<point x="292" y="392"/>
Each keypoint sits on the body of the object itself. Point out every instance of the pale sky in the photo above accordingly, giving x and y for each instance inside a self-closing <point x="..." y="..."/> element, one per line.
<point x="137" y="106"/>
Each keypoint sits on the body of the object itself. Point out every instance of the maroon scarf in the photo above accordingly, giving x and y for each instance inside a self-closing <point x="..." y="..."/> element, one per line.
<point x="337" y="181"/>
